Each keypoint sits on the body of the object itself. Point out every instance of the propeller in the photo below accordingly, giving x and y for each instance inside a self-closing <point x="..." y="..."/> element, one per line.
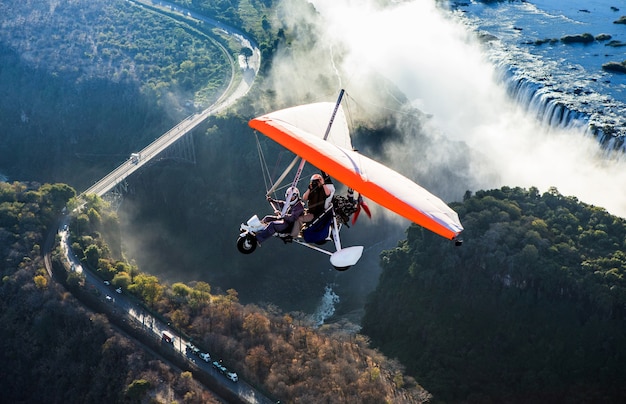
<point x="360" y="204"/>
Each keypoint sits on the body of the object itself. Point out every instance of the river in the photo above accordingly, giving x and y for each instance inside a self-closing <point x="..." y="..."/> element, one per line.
<point x="541" y="68"/>
<point x="478" y="133"/>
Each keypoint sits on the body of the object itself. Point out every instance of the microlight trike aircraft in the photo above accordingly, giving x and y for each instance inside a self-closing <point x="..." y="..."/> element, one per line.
<point x="318" y="133"/>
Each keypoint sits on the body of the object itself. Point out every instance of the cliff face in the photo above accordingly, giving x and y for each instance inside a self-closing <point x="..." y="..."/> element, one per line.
<point x="531" y="307"/>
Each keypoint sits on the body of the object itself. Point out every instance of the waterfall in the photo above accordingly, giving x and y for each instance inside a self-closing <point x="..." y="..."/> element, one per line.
<point x="326" y="307"/>
<point x="485" y="99"/>
<point x="550" y="108"/>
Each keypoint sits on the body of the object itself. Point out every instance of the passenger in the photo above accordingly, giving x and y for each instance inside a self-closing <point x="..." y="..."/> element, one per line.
<point x="281" y="224"/>
<point x="318" y="197"/>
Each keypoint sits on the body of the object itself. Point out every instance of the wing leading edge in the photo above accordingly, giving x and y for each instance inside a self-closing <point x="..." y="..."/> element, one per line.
<point x="371" y="179"/>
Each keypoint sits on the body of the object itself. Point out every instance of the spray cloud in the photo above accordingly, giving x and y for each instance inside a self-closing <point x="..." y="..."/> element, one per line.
<point x="438" y="66"/>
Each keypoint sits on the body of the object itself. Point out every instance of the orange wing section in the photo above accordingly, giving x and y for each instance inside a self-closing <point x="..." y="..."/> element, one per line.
<point x="371" y="179"/>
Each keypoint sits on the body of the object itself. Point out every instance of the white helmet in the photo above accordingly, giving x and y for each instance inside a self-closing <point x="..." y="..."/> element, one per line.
<point x="295" y="195"/>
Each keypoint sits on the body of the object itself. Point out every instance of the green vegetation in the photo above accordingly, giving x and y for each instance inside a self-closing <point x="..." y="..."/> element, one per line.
<point x="281" y="352"/>
<point x="251" y="16"/>
<point x="25" y="213"/>
<point x="86" y="83"/>
<point x="117" y="40"/>
<point x="531" y="308"/>
<point x="53" y="350"/>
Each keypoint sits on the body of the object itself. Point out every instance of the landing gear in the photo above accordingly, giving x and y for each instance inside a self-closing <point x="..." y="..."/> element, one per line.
<point x="246" y="244"/>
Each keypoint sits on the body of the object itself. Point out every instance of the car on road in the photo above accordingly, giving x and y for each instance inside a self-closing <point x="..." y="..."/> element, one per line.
<point x="205" y="357"/>
<point x="118" y="290"/>
<point x="232" y="376"/>
<point x="192" y="349"/>
<point x="109" y="298"/>
<point x="222" y="369"/>
<point x="219" y="366"/>
<point x="107" y="283"/>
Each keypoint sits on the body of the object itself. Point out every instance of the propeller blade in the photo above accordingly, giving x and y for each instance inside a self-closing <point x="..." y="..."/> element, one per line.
<point x="356" y="214"/>
<point x="366" y="208"/>
<point x="361" y="204"/>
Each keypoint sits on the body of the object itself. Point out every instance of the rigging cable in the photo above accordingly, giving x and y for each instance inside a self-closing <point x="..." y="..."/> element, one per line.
<point x="266" y="175"/>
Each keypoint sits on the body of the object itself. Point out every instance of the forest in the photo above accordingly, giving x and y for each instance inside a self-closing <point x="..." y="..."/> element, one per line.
<point x="72" y="354"/>
<point x="532" y="308"/>
<point x="86" y="83"/>
<point x="52" y="348"/>
<point x="282" y="352"/>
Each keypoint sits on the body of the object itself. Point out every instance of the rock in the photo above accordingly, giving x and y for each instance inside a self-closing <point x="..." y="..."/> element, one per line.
<point x="621" y="20"/>
<point x="603" y="37"/>
<point x="580" y="38"/>
<point x="542" y="41"/>
<point x="615" y="67"/>
<point x="485" y="37"/>
<point x="616" y="44"/>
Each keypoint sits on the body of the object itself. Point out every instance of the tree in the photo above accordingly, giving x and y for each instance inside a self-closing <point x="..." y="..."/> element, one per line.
<point x="92" y="256"/>
<point x="147" y="288"/>
<point x="204" y="291"/>
<point x="137" y="390"/>
<point x="258" y="362"/>
<point x="181" y="290"/>
<point x="256" y="325"/>
<point x="121" y="280"/>
<point x="41" y="282"/>
<point x="180" y="318"/>
<point x="57" y="195"/>
<point x="246" y="53"/>
<point x="74" y="279"/>
<point x="536" y="279"/>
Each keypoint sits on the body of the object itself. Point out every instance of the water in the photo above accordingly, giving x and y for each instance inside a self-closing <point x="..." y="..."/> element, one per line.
<point x="567" y="80"/>
<point x="326" y="308"/>
<point x="483" y="130"/>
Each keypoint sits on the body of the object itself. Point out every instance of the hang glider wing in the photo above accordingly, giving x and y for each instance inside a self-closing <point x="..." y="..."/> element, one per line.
<point x="301" y="130"/>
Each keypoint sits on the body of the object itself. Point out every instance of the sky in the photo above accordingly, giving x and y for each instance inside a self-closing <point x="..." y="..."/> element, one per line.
<point x="437" y="64"/>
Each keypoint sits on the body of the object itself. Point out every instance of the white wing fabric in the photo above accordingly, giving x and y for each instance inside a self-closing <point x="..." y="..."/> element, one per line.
<point x="301" y="130"/>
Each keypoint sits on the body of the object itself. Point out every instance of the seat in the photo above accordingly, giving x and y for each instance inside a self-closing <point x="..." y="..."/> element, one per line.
<point x="318" y="230"/>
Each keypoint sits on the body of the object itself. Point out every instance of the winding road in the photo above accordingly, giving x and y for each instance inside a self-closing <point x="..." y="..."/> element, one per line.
<point x="234" y="91"/>
<point x="125" y="306"/>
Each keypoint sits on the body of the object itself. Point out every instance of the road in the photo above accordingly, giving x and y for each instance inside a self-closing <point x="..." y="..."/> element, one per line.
<point x="120" y="303"/>
<point x="123" y="305"/>
<point x="233" y="92"/>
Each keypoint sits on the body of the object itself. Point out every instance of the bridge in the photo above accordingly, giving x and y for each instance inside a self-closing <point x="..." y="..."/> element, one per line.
<point x="234" y="91"/>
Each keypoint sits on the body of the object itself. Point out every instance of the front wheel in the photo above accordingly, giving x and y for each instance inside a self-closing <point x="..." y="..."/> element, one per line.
<point x="246" y="244"/>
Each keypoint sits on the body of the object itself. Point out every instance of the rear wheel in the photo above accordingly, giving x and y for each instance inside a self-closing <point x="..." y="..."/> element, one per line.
<point x="246" y="244"/>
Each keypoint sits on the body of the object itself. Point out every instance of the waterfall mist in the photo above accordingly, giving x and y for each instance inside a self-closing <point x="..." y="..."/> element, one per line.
<point x="442" y="70"/>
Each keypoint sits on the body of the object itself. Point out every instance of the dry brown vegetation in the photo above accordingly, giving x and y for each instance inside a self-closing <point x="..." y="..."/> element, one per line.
<point x="51" y="348"/>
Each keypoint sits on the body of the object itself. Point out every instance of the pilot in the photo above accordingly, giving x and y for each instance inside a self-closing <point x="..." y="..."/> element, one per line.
<point x="318" y="197"/>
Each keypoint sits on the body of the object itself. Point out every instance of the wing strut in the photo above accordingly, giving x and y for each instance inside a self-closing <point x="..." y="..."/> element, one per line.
<point x="282" y="176"/>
